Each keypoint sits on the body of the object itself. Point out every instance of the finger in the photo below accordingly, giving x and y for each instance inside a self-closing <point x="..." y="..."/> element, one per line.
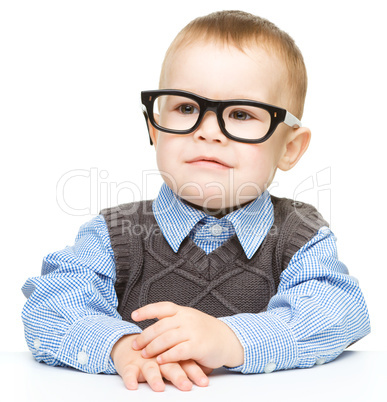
<point x="182" y="351"/>
<point x="152" y="332"/>
<point x="130" y="377"/>
<point x="206" y="370"/>
<point x="155" y="310"/>
<point x="164" y="342"/>
<point x="174" y="373"/>
<point x="152" y="375"/>
<point x="195" y="373"/>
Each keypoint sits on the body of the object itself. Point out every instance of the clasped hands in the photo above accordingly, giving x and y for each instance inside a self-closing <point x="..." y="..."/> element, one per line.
<point x="184" y="344"/>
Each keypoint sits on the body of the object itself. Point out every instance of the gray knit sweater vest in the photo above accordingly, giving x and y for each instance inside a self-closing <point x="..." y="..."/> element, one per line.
<point x="222" y="283"/>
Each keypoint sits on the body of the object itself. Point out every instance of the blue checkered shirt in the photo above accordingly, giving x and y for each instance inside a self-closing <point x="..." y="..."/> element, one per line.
<point x="71" y="319"/>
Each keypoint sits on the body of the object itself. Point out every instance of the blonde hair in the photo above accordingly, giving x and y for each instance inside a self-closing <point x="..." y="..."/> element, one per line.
<point x="242" y="30"/>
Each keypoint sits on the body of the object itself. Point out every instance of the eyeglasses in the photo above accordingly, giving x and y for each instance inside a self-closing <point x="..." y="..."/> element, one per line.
<point x="180" y="112"/>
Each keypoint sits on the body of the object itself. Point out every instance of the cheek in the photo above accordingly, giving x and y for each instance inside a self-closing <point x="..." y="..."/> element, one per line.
<point x="255" y="160"/>
<point x="168" y="154"/>
<point x="160" y="157"/>
<point x="164" y="150"/>
<point x="164" y="166"/>
<point x="258" y="168"/>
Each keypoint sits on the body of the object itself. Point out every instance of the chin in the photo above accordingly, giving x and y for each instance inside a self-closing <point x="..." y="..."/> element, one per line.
<point x="205" y="197"/>
<point x="213" y="204"/>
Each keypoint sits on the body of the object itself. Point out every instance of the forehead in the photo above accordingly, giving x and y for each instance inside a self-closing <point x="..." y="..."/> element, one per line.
<point x="223" y="71"/>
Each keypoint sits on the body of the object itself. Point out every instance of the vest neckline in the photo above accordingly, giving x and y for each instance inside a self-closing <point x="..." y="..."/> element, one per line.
<point x="208" y="265"/>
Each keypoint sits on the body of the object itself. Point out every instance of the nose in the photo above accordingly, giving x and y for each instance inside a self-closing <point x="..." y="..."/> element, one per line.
<point x="209" y="129"/>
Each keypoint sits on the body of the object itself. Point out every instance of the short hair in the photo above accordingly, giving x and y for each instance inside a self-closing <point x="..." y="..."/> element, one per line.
<point x="242" y="30"/>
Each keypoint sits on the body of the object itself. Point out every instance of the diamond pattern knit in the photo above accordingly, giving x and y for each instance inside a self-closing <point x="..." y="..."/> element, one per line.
<point x="222" y="283"/>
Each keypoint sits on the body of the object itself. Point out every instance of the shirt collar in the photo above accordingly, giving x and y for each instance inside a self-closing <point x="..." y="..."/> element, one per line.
<point x="253" y="222"/>
<point x="176" y="219"/>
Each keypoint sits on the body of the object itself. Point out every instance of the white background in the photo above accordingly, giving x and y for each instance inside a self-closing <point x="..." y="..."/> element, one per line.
<point x="71" y="73"/>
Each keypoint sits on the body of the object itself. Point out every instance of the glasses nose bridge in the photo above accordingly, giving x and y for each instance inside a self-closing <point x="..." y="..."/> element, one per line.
<point x="210" y="106"/>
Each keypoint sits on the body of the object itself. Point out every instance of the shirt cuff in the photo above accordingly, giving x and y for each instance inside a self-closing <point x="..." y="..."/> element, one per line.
<point x="88" y="343"/>
<point x="267" y="342"/>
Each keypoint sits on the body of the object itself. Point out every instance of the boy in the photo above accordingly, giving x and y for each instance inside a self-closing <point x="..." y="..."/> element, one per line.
<point x="214" y="272"/>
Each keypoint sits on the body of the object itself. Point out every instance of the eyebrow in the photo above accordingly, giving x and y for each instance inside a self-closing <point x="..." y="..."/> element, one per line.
<point x="235" y="97"/>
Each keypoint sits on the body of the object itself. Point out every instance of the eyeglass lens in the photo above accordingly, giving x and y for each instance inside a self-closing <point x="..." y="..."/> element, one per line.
<point x="181" y="113"/>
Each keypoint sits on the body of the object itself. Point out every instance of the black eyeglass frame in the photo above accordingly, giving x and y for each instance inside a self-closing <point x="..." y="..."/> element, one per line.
<point x="277" y="115"/>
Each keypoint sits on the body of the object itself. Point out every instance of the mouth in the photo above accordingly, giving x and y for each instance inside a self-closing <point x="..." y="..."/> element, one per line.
<point x="209" y="161"/>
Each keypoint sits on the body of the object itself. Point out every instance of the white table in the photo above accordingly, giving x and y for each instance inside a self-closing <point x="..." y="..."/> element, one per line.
<point x="353" y="376"/>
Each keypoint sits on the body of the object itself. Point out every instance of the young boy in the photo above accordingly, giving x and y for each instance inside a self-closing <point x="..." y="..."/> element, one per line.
<point x="215" y="271"/>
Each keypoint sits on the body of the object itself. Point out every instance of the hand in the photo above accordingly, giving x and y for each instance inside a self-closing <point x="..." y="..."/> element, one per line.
<point x="133" y="368"/>
<point x="184" y="333"/>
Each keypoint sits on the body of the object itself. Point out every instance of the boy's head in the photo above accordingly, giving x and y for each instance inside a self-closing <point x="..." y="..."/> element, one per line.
<point x="230" y="55"/>
<point x="244" y="30"/>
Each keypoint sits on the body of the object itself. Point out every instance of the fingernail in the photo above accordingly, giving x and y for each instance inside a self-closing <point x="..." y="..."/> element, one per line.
<point x="159" y="386"/>
<point x="159" y="359"/>
<point x="143" y="353"/>
<point x="203" y="381"/>
<point x="134" y="345"/>
<point x="187" y="384"/>
<point x="134" y="315"/>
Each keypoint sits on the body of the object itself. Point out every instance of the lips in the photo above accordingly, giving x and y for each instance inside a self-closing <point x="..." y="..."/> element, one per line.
<point x="209" y="160"/>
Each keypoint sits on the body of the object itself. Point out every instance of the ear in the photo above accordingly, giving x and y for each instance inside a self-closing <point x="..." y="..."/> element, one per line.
<point x="153" y="132"/>
<point x="296" y="145"/>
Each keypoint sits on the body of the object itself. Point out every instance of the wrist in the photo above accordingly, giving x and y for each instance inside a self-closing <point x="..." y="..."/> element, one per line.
<point x="122" y="344"/>
<point x="234" y="352"/>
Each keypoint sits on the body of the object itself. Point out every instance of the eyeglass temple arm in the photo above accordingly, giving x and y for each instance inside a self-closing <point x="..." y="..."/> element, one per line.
<point x="292" y="121"/>
<point x="145" y="113"/>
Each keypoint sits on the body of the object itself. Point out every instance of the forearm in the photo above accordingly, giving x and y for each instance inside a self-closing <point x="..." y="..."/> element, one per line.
<point x="317" y="312"/>
<point x="276" y="340"/>
<point x="70" y="316"/>
<point x="83" y="341"/>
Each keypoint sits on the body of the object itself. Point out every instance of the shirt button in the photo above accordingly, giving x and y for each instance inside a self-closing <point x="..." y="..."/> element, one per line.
<point x="216" y="230"/>
<point x="270" y="367"/>
<point x="83" y="358"/>
<point x="320" y="361"/>
<point x="37" y="344"/>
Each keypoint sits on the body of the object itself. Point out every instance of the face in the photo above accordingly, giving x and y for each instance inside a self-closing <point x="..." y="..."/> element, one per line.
<point x="206" y="168"/>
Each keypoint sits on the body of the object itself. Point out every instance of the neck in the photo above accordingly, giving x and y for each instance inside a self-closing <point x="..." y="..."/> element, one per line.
<point x="216" y="212"/>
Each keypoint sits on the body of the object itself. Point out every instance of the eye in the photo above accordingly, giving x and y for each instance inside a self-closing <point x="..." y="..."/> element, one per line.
<point x="240" y="115"/>
<point x="187" y="109"/>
